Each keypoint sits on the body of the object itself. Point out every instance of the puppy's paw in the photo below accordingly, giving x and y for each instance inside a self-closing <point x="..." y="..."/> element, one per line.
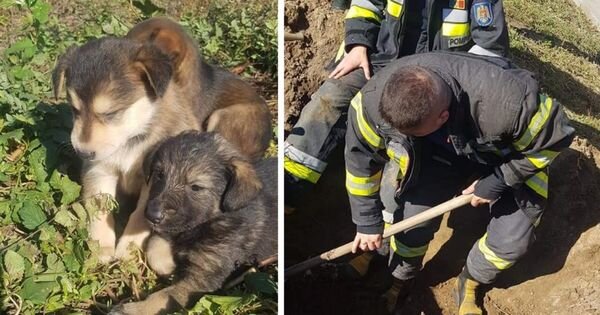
<point x="160" y="256"/>
<point x="122" y="252"/>
<point x="106" y="254"/>
<point x="123" y="247"/>
<point x="126" y="309"/>
<point x="117" y="310"/>
<point x="105" y="235"/>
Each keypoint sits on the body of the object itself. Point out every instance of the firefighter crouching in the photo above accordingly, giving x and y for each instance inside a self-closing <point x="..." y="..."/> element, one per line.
<point x="443" y="118"/>
<point x="376" y="33"/>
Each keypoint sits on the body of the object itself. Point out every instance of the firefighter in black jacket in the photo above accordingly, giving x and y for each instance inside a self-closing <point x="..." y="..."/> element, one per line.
<point x="378" y="32"/>
<point x="443" y="118"/>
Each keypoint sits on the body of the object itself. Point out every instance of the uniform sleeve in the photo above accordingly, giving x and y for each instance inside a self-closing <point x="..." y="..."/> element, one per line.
<point x="488" y="28"/>
<point x="362" y="23"/>
<point x="364" y="167"/>
<point x="541" y="132"/>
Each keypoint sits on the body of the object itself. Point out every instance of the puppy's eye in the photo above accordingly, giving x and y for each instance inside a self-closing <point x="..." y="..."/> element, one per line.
<point x="110" y="116"/>
<point x="196" y="187"/>
<point x="159" y="175"/>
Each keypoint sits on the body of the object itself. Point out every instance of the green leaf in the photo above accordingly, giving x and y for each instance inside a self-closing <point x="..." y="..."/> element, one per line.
<point x="217" y="304"/>
<point x="71" y="263"/>
<point x="28" y="250"/>
<point x="40" y="11"/>
<point x="70" y="189"/>
<point x="37" y="163"/>
<point x="48" y="233"/>
<point x="31" y="215"/>
<point x="88" y="291"/>
<point x="147" y="7"/>
<point x="261" y="282"/>
<point x="36" y="289"/>
<point x="53" y="264"/>
<point x="80" y="212"/>
<point x="64" y="218"/>
<point x="54" y="303"/>
<point x="21" y="73"/>
<point x="14" y="265"/>
<point x="108" y="28"/>
<point x="22" y="45"/>
<point x="16" y="134"/>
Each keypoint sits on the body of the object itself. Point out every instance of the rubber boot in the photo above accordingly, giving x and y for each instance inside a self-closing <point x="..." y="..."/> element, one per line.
<point x="466" y="294"/>
<point x="396" y="295"/>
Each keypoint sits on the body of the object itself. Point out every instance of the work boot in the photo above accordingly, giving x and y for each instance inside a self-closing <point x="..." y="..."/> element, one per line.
<point x="466" y="294"/>
<point x="396" y="295"/>
<point x="360" y="265"/>
<point x="357" y="267"/>
<point x="340" y="4"/>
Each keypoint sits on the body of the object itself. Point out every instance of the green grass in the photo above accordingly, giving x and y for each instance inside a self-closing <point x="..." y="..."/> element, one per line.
<point x="554" y="39"/>
<point x="47" y="263"/>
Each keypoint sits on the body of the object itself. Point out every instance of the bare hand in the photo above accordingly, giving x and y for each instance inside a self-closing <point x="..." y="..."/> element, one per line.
<point x="355" y="58"/>
<point x="366" y="242"/>
<point x="476" y="201"/>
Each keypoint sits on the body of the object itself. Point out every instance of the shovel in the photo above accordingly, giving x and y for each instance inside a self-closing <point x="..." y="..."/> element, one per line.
<point x="403" y="225"/>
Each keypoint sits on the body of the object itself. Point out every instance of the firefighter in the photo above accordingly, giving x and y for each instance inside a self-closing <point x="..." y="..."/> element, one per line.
<point x="377" y="32"/>
<point x="442" y="118"/>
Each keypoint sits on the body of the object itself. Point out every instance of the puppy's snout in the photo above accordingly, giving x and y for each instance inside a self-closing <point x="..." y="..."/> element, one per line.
<point x="153" y="212"/>
<point x="86" y="155"/>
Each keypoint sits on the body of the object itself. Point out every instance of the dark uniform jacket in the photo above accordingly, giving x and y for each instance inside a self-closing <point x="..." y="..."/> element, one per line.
<point x="395" y="28"/>
<point x="498" y="117"/>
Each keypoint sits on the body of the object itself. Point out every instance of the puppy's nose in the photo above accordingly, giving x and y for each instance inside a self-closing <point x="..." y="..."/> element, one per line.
<point x="86" y="155"/>
<point x="153" y="212"/>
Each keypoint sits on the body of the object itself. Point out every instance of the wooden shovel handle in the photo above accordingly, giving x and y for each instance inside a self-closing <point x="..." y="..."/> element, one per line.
<point x="403" y="225"/>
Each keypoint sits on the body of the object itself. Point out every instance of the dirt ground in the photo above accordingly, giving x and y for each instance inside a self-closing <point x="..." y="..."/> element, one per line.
<point x="559" y="275"/>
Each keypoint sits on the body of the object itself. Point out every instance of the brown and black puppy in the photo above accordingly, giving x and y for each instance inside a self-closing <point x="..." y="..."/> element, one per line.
<point x="224" y="103"/>
<point x="211" y="211"/>
<point x="128" y="94"/>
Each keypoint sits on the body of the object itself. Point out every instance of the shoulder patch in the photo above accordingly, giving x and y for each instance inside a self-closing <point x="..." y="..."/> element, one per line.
<point x="482" y="12"/>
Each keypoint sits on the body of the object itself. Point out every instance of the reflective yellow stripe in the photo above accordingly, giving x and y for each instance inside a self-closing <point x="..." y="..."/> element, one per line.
<point x="366" y="131"/>
<point x="360" y="12"/>
<point x="490" y="256"/>
<point x="535" y="125"/>
<point x="542" y="158"/>
<point x="300" y="171"/>
<point x="455" y="29"/>
<point x="394" y="9"/>
<point x="402" y="160"/>
<point x="341" y="51"/>
<point x="363" y="186"/>
<point x="404" y="251"/>
<point x="539" y="183"/>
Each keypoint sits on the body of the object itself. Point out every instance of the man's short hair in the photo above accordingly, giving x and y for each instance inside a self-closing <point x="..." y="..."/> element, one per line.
<point x="408" y="97"/>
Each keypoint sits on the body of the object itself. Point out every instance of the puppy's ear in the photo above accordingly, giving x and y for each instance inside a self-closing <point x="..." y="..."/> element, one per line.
<point x="243" y="186"/>
<point x="155" y="68"/>
<point x="167" y="35"/>
<point x="58" y="74"/>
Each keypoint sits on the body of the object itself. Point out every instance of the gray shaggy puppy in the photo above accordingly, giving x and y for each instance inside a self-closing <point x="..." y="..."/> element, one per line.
<point x="211" y="212"/>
